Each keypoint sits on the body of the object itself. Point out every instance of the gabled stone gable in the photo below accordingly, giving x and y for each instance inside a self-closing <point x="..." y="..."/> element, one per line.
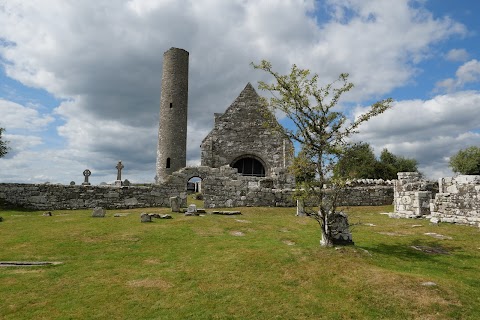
<point x="241" y="132"/>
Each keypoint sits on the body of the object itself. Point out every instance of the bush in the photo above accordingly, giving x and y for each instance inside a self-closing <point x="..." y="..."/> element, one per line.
<point x="466" y="161"/>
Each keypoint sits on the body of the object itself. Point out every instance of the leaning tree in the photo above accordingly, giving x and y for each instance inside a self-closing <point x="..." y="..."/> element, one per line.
<point x="320" y="128"/>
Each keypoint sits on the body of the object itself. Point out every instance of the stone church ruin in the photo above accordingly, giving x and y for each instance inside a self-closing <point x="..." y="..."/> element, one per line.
<point x="243" y="163"/>
<point x="239" y="139"/>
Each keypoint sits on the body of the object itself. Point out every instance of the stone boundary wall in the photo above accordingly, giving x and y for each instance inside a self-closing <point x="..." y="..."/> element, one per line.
<point x="54" y="197"/>
<point x="222" y="187"/>
<point x="253" y="193"/>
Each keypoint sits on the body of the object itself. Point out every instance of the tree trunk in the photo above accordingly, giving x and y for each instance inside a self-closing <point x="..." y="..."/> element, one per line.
<point x="326" y="240"/>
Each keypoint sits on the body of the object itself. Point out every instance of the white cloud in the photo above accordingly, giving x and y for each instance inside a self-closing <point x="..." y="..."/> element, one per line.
<point x="429" y="131"/>
<point x="19" y="143"/>
<point x="105" y="58"/>
<point x="457" y="55"/>
<point x="15" y="116"/>
<point x="467" y="73"/>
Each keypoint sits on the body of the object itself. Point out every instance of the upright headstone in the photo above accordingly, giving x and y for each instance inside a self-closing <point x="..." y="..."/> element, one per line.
<point x="86" y="173"/>
<point x="340" y="229"/>
<point x="175" y="204"/>
<point x="98" y="212"/>
<point x="119" y="168"/>
<point x="192" y="208"/>
<point x="300" y="208"/>
<point x="145" y="217"/>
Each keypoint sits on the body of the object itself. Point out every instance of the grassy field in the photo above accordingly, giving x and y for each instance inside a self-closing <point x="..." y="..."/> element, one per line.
<point x="264" y="264"/>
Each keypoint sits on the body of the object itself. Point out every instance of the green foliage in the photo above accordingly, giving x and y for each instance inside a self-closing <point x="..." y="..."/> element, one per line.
<point x="358" y="162"/>
<point x="391" y="164"/>
<point x="466" y="161"/>
<point x="3" y="144"/>
<point x="303" y="169"/>
<point x="319" y="127"/>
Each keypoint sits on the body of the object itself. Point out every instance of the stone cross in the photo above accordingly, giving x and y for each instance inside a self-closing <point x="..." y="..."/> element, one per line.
<point x="119" y="170"/>
<point x="86" y="174"/>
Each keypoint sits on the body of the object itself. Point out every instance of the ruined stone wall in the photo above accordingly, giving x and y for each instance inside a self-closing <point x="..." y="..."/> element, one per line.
<point x="241" y="132"/>
<point x="55" y="197"/>
<point x="240" y="191"/>
<point x="458" y="200"/>
<point x="222" y="187"/>
<point x="411" y="195"/>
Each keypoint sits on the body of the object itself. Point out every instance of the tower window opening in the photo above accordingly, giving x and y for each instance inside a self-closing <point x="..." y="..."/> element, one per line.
<point x="250" y="167"/>
<point x="168" y="163"/>
<point x="171" y="105"/>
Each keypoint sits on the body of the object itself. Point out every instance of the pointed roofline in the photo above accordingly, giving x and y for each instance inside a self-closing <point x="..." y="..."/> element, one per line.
<point x="248" y="89"/>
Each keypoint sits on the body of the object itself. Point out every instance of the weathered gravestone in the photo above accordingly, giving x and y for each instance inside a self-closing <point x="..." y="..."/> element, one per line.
<point x="227" y="213"/>
<point x="300" y="208"/>
<point x="175" y="204"/>
<point x="98" y="212"/>
<point x="191" y="210"/>
<point x="145" y="217"/>
<point x="339" y="229"/>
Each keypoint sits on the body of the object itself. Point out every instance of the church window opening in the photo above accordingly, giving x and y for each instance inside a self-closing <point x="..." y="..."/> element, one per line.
<point x="250" y="167"/>
<point x="171" y="105"/>
<point x="168" y="163"/>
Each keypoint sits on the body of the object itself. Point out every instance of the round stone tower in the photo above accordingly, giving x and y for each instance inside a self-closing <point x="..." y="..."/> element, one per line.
<point x="172" y="132"/>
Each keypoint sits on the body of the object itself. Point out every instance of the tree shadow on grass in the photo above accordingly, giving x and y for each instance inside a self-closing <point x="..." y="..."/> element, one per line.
<point x="419" y="250"/>
<point x="427" y="257"/>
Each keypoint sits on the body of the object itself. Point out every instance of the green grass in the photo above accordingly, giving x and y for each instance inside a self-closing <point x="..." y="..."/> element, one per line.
<point x="196" y="268"/>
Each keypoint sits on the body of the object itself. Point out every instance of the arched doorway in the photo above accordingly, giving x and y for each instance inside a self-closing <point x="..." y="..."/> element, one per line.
<point x="249" y="166"/>
<point x="194" y="192"/>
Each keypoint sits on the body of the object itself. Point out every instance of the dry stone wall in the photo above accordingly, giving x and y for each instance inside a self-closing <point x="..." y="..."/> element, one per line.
<point x="233" y="190"/>
<point x="54" y="197"/>
<point x="222" y="187"/>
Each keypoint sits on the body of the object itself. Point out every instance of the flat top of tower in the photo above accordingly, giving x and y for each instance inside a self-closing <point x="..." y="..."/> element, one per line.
<point x="175" y="49"/>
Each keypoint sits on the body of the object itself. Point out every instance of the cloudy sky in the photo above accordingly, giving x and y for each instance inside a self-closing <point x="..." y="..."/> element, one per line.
<point x="80" y="80"/>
